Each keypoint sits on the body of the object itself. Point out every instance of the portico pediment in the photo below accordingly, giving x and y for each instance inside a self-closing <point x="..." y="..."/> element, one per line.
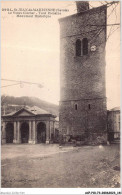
<point x="23" y="112"/>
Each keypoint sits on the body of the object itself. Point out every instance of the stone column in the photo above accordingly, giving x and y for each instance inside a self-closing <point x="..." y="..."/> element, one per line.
<point x="3" y="133"/>
<point x="54" y="129"/>
<point x="34" y="133"/>
<point x="47" y="132"/>
<point x="30" y="133"/>
<point x="50" y="129"/>
<point x="15" y="133"/>
<point x="18" y="133"/>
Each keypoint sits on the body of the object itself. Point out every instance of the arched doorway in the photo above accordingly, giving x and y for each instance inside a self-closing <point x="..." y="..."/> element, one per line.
<point x="41" y="133"/>
<point x="9" y="133"/>
<point x="24" y="132"/>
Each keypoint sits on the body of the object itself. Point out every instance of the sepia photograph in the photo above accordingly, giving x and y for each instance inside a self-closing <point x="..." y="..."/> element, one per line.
<point x="60" y="96"/>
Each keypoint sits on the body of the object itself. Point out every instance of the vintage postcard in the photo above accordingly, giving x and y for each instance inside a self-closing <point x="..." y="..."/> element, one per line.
<point x="60" y="97"/>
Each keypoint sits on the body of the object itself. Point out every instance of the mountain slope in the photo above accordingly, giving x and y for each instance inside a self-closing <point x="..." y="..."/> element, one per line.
<point x="12" y="103"/>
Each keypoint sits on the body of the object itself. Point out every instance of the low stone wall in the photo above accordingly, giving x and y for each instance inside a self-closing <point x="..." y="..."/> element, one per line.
<point x="97" y="138"/>
<point x="86" y="139"/>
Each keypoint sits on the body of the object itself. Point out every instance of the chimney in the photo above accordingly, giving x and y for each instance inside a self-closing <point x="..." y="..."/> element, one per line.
<point x="82" y="6"/>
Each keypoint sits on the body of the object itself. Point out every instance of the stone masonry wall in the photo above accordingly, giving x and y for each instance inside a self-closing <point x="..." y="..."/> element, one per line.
<point x="83" y="77"/>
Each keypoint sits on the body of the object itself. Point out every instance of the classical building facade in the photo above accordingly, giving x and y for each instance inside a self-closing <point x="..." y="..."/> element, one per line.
<point x="28" y="125"/>
<point x="83" y="110"/>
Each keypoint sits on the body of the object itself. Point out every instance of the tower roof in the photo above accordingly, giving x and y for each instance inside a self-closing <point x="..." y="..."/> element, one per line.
<point x="82" y="6"/>
<point x="92" y="10"/>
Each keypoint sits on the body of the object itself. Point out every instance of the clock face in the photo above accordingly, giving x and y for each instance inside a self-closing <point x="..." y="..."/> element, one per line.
<point x="93" y="48"/>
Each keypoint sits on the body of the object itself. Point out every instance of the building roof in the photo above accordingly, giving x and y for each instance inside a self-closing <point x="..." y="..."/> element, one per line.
<point x="115" y="109"/>
<point x="34" y="110"/>
<point x="10" y="114"/>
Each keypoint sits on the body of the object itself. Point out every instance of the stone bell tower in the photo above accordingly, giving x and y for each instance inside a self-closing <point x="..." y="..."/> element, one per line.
<point x="83" y="111"/>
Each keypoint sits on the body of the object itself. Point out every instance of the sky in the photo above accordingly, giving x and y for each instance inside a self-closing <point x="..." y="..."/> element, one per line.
<point x="30" y="51"/>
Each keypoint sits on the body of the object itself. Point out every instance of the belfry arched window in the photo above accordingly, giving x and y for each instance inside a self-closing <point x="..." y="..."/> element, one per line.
<point x="78" y="47"/>
<point x="85" y="46"/>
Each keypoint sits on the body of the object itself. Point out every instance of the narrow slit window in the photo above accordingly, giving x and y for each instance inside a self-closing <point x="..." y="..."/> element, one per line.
<point x="89" y="106"/>
<point x="76" y="106"/>
<point x="78" y="47"/>
<point x="85" y="46"/>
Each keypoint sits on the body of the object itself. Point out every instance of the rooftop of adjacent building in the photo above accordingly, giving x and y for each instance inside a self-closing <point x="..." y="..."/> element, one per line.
<point x="36" y="110"/>
<point x="115" y="109"/>
<point x="32" y="110"/>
